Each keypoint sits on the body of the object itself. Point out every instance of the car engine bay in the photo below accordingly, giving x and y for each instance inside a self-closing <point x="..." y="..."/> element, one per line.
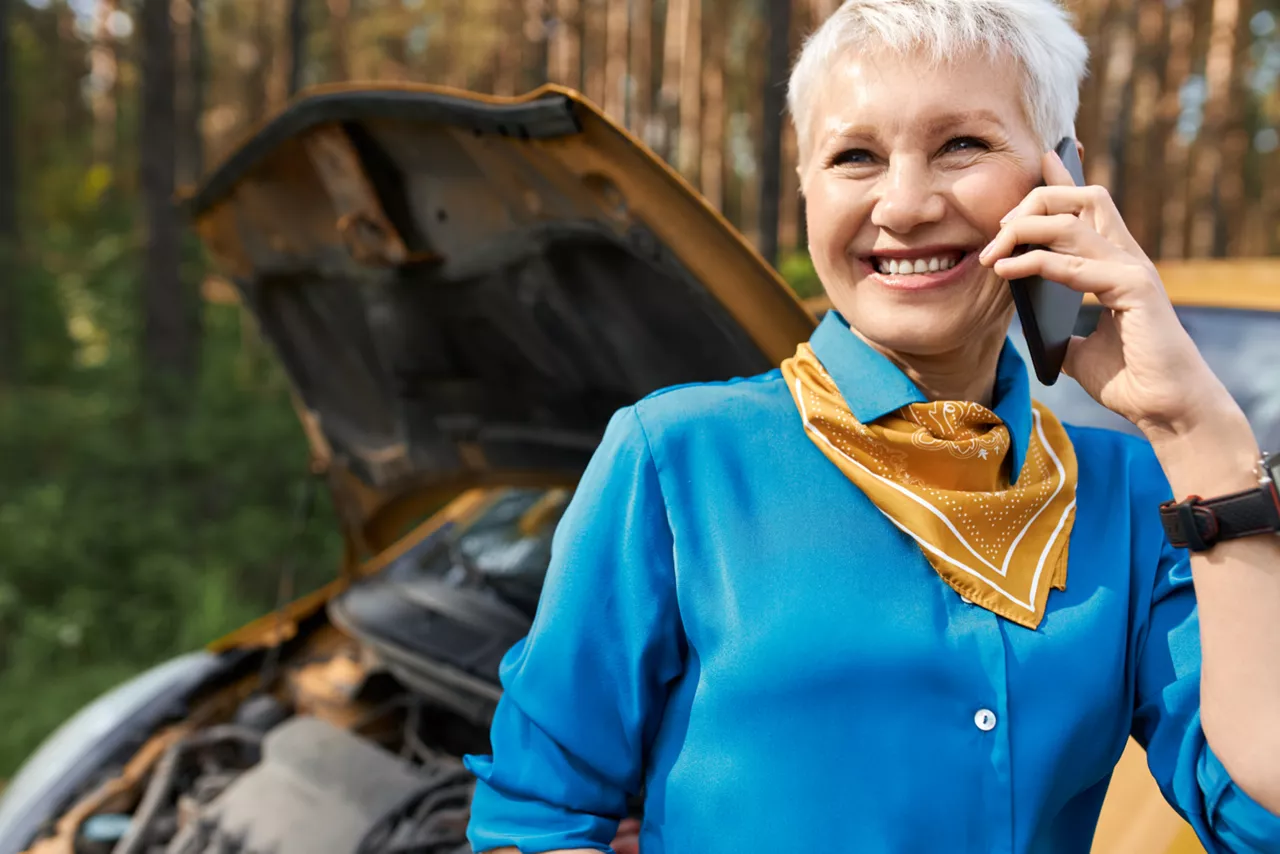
<point x="347" y="739"/>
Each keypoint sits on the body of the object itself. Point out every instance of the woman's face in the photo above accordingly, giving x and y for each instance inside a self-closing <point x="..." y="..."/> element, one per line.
<point x="909" y="170"/>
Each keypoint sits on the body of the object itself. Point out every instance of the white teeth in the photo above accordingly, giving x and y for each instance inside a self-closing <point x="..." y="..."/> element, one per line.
<point x="905" y="266"/>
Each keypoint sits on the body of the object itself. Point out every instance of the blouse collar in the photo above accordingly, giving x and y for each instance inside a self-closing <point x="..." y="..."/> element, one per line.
<point x="873" y="386"/>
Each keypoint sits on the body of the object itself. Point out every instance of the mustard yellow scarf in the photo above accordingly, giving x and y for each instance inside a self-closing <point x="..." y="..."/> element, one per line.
<point x="937" y="470"/>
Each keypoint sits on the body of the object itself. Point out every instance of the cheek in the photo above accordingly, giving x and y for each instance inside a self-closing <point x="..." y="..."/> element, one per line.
<point x="987" y="196"/>
<point x="833" y="219"/>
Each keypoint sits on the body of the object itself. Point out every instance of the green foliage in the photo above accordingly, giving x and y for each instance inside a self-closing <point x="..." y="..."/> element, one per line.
<point x="126" y="537"/>
<point x="797" y="268"/>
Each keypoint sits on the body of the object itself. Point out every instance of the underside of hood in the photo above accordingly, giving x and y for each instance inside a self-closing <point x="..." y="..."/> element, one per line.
<point x="463" y="289"/>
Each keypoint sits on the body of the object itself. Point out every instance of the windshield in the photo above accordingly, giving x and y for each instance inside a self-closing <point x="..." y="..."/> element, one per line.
<point x="1242" y="347"/>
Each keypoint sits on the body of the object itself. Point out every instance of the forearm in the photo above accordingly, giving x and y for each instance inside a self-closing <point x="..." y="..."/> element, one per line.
<point x="1237" y="587"/>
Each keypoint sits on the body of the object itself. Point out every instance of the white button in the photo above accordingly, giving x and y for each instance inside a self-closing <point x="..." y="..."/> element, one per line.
<point x="966" y="600"/>
<point x="985" y="720"/>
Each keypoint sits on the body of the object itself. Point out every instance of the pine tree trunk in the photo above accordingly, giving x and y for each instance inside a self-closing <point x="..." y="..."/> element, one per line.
<point x="339" y="12"/>
<point x="170" y="341"/>
<point x="640" y="105"/>
<point x="10" y="302"/>
<point x="1207" y="167"/>
<point x="774" y="100"/>
<point x="688" y="159"/>
<point x="1174" y="210"/>
<point x="297" y="44"/>
<point x="672" y="60"/>
<point x="594" y="50"/>
<point x="565" y="48"/>
<point x="536" y="49"/>
<point x="189" y="99"/>
<point x="615" y="61"/>
<point x="791" y="213"/>
<point x="1117" y="81"/>
<point x="1229" y="237"/>
<point x="103" y="77"/>
<point x="1142" y="200"/>
<point x="754" y="75"/>
<point x="713" y="109"/>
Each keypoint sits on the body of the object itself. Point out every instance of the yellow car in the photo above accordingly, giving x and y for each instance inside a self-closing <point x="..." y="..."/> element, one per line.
<point x="463" y="290"/>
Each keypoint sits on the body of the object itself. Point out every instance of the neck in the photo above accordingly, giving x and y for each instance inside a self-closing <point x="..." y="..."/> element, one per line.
<point x="967" y="372"/>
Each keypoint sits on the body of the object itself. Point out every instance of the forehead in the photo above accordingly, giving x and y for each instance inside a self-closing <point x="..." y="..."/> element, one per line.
<point x="896" y="95"/>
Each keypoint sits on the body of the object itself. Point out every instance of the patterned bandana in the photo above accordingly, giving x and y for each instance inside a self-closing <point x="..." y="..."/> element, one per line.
<point x="937" y="470"/>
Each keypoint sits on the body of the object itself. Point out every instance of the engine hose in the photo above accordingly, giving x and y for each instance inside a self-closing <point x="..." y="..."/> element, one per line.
<point x="160" y="787"/>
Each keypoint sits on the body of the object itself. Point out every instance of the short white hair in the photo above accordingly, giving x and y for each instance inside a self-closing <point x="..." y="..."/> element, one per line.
<point x="1037" y="34"/>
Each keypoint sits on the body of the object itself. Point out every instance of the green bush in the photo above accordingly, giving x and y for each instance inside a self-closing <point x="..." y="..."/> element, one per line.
<point x="797" y="268"/>
<point x="128" y="537"/>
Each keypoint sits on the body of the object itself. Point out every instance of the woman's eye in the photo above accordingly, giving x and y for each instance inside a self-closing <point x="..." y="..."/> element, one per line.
<point x="852" y="157"/>
<point x="964" y="143"/>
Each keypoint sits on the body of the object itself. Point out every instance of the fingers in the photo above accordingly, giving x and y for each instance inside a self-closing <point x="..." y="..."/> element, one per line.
<point x="1060" y="232"/>
<point x="1093" y="205"/>
<point x="1113" y="283"/>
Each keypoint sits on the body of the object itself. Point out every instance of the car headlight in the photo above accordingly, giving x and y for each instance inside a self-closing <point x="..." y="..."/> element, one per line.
<point x="78" y="749"/>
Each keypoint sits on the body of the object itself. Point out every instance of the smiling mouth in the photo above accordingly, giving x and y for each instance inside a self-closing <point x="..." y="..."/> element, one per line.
<point x="920" y="265"/>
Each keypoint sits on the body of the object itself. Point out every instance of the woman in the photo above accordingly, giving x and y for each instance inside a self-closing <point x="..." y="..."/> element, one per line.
<point x="876" y="600"/>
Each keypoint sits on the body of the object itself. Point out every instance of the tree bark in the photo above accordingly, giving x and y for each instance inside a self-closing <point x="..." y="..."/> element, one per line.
<point x="1207" y="168"/>
<point x="688" y="158"/>
<point x="713" y="107"/>
<point x="1142" y="200"/>
<point x="1117" y="81"/>
<point x="617" y="24"/>
<point x="189" y="62"/>
<point x="170" y="321"/>
<point x="640" y="106"/>
<point x="339" y="12"/>
<point x="775" y="94"/>
<point x="594" y="50"/>
<point x="536" y="44"/>
<point x="297" y="44"/>
<point x="1174" y="210"/>
<point x="565" y="49"/>
<point x="1230" y="235"/>
<point x="103" y="76"/>
<point x="672" y="58"/>
<point x="10" y="302"/>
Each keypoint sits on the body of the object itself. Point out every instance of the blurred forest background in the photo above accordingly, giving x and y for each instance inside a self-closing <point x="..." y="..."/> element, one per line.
<point x="150" y="463"/>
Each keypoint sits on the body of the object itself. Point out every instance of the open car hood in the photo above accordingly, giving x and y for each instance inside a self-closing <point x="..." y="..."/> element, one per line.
<point x="464" y="288"/>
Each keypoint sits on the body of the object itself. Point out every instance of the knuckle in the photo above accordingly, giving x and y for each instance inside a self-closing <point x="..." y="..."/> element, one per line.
<point x="1098" y="193"/>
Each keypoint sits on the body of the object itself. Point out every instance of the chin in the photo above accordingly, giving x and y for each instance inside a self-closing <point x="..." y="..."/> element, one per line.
<point x="921" y="330"/>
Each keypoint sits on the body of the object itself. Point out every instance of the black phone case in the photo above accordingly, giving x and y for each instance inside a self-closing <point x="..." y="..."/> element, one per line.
<point x="1048" y="309"/>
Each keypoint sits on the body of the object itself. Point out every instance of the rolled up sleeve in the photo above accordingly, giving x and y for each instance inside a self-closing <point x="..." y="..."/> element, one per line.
<point x="1167" y="723"/>
<point x="584" y="692"/>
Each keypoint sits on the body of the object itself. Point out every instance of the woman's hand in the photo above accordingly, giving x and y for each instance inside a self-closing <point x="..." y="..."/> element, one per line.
<point x="1139" y="362"/>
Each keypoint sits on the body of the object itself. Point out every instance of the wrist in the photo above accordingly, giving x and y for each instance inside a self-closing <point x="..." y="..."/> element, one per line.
<point x="1210" y="456"/>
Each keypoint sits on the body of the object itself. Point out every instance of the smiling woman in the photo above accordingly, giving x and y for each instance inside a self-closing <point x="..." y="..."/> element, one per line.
<point x="885" y="545"/>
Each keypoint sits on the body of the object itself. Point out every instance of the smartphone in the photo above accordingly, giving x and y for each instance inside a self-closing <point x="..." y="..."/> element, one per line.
<point x="1048" y="309"/>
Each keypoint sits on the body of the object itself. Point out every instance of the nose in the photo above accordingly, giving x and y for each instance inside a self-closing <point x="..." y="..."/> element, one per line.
<point x="908" y="197"/>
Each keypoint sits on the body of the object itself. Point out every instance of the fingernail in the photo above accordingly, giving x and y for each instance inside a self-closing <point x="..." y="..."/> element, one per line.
<point x="986" y="250"/>
<point x="1008" y="216"/>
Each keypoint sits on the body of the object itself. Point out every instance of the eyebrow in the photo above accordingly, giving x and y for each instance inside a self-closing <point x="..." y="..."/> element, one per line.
<point x="935" y="125"/>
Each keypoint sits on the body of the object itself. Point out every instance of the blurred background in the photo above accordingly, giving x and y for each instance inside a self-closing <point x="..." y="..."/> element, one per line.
<point x="153" y="475"/>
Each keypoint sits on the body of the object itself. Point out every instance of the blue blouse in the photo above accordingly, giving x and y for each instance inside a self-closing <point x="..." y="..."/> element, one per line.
<point x="730" y="626"/>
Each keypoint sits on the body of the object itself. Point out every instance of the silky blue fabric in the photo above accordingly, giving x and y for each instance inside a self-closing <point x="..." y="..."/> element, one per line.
<point x="729" y="625"/>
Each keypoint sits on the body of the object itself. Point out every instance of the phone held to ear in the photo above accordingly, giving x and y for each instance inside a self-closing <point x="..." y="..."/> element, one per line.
<point x="1049" y="309"/>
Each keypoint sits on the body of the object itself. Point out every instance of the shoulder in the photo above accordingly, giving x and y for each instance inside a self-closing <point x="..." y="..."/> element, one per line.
<point x="721" y="408"/>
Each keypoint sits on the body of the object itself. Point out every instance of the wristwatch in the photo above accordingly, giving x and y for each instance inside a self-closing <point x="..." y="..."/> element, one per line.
<point x="1198" y="524"/>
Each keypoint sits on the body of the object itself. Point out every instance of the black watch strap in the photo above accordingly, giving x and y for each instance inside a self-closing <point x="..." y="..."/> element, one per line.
<point x="1198" y="524"/>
